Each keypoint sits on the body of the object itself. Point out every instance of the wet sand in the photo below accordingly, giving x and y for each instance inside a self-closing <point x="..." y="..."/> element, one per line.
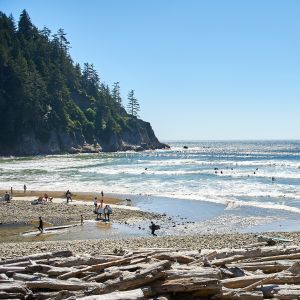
<point x="175" y="233"/>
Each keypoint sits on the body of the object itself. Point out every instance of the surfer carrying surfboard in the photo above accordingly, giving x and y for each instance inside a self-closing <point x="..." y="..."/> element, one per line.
<point x="153" y="227"/>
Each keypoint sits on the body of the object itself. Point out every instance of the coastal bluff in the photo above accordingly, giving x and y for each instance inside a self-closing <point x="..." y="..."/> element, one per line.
<point x="138" y="137"/>
<point x="50" y="105"/>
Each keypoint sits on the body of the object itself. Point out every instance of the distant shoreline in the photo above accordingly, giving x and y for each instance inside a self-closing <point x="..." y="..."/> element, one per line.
<point x="83" y="196"/>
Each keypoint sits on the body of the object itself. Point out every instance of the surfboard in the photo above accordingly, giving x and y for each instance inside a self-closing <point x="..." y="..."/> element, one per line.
<point x="156" y="227"/>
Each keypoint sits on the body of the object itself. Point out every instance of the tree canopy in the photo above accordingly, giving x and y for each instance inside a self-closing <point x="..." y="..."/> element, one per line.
<point x="43" y="90"/>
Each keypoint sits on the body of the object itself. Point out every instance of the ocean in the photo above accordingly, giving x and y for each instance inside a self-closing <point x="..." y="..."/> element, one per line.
<point x="260" y="178"/>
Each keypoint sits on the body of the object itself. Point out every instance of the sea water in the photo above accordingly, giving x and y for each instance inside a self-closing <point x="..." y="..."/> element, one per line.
<point x="255" y="177"/>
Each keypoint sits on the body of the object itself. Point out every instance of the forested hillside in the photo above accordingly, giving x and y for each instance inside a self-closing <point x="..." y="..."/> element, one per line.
<point x="49" y="104"/>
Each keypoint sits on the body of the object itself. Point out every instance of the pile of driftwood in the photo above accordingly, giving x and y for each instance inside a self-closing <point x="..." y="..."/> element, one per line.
<point x="254" y="272"/>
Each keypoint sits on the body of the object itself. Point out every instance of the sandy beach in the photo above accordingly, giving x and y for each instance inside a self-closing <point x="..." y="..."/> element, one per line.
<point x="20" y="211"/>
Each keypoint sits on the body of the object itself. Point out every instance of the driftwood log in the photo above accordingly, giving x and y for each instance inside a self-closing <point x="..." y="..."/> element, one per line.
<point x="251" y="273"/>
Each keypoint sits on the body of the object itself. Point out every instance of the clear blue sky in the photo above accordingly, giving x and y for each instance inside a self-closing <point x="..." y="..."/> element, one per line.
<point x="200" y="69"/>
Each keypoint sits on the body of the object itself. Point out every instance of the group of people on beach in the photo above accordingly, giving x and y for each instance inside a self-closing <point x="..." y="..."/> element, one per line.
<point x="99" y="209"/>
<point x="8" y="196"/>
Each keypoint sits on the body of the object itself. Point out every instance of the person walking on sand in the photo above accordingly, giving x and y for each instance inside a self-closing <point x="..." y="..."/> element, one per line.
<point x="41" y="225"/>
<point x="25" y="188"/>
<point x="81" y="220"/>
<point x="69" y="196"/>
<point x="153" y="228"/>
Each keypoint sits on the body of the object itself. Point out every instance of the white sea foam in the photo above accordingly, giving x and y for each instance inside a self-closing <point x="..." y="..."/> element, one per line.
<point x="177" y="173"/>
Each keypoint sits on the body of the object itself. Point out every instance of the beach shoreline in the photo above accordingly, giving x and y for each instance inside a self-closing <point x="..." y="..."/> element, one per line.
<point x="180" y="234"/>
<point x="82" y="196"/>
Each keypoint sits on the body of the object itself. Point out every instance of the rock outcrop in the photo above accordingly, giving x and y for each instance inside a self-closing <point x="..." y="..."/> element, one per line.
<point x="138" y="137"/>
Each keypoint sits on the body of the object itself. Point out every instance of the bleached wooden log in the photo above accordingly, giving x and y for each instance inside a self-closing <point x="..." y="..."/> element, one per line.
<point x="5" y="295"/>
<point x="59" y="285"/>
<point x="64" y="294"/>
<point x="83" y="260"/>
<point x="136" y="294"/>
<point x="177" y="273"/>
<point x="25" y="277"/>
<point x="239" y="295"/>
<point x="105" y="276"/>
<point x="258" y="252"/>
<point x="97" y="267"/>
<point x="277" y="257"/>
<point x="287" y="294"/>
<point x="252" y="286"/>
<point x="49" y="270"/>
<point x="56" y="271"/>
<point x="64" y="253"/>
<point x="137" y="279"/>
<point x="182" y="259"/>
<point x="226" y="260"/>
<point x="283" y="277"/>
<point x="266" y="267"/>
<point x="13" y="287"/>
<point x="6" y="270"/>
<point x="88" y="275"/>
<point x="241" y="282"/>
<point x="208" y="286"/>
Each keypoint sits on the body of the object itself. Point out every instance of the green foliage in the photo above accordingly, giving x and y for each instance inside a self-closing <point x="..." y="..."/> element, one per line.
<point x="43" y="91"/>
<point x="133" y="106"/>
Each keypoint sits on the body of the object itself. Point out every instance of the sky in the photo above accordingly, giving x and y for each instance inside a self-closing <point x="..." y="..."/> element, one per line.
<point x="201" y="69"/>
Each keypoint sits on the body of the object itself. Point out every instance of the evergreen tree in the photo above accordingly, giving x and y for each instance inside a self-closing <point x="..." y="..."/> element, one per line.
<point x="43" y="92"/>
<point x="116" y="93"/>
<point x="25" y="25"/>
<point x="133" y="106"/>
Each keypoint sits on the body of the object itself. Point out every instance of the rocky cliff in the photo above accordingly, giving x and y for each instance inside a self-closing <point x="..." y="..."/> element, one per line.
<point x="137" y="138"/>
<point x="49" y="104"/>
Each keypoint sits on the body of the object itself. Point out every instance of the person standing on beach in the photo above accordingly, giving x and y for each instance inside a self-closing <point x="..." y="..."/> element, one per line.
<point x="81" y="219"/>
<point x="68" y="195"/>
<point x="25" y="188"/>
<point x="41" y="225"/>
<point x="102" y="194"/>
<point x="95" y="203"/>
<point x="11" y="190"/>
<point x="7" y="197"/>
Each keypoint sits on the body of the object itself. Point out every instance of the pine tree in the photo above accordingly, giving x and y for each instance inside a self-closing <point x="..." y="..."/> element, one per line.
<point x="133" y="106"/>
<point x="25" y="25"/>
